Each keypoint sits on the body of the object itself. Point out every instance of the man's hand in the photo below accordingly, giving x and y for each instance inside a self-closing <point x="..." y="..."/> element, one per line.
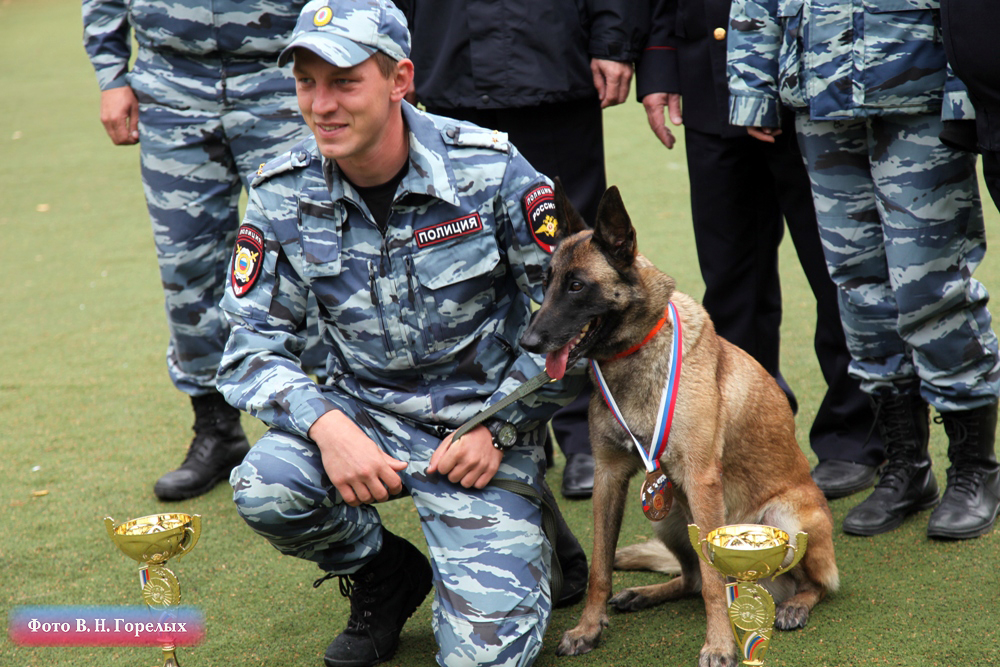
<point x="655" y="103"/>
<point x="612" y="80"/>
<point x="360" y="471"/>
<point x="120" y="115"/>
<point x="471" y="462"/>
<point x="766" y="134"/>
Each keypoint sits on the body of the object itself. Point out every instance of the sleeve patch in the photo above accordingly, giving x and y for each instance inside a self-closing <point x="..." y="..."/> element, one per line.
<point x="248" y="256"/>
<point x="540" y="212"/>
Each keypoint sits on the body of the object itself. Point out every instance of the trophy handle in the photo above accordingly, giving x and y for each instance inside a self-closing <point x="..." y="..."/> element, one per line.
<point x="799" y="549"/>
<point x="193" y="533"/>
<point x="109" y="523"/>
<point x="694" y="534"/>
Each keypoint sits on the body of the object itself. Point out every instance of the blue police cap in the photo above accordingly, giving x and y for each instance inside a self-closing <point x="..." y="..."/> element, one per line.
<point x="348" y="32"/>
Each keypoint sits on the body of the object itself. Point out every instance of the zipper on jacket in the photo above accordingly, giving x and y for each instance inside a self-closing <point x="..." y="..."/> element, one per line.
<point x="417" y="300"/>
<point x="377" y="300"/>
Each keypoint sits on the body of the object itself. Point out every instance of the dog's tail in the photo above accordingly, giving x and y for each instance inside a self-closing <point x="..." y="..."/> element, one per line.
<point x="649" y="555"/>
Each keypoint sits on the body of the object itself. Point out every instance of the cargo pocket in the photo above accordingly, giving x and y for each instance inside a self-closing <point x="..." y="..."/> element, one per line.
<point x="454" y="284"/>
<point x="348" y="301"/>
<point x="904" y="62"/>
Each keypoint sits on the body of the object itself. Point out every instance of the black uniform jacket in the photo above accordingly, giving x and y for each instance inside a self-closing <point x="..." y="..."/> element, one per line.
<point x="686" y="54"/>
<point x="519" y="53"/>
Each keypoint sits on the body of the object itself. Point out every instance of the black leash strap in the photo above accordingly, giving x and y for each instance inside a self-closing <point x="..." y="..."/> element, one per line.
<point x="549" y="511"/>
<point x="548" y="525"/>
<point x="528" y="387"/>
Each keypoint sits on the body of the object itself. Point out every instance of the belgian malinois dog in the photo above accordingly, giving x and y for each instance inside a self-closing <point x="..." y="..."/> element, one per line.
<point x="731" y="453"/>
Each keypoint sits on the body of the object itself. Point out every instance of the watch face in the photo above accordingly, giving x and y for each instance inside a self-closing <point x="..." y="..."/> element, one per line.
<point x="507" y="435"/>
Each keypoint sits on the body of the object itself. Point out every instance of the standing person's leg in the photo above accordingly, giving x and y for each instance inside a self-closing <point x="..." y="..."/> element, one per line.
<point x="192" y="193"/>
<point x="837" y="160"/>
<point x="842" y="434"/>
<point x="991" y="175"/>
<point x="737" y="230"/>
<point x="567" y="140"/>
<point x="928" y="197"/>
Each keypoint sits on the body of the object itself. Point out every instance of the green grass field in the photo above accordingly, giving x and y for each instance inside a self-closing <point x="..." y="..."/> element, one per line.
<point x="89" y="420"/>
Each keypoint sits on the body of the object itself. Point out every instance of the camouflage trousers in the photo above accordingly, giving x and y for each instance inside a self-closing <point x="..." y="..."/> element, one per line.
<point x="902" y="231"/>
<point x="490" y="557"/>
<point x="204" y="131"/>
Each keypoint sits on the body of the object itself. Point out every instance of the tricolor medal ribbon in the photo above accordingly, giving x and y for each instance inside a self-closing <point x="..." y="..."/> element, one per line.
<point x="656" y="494"/>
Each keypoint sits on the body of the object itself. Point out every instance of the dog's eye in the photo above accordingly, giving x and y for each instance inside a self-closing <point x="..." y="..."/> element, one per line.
<point x="575" y="286"/>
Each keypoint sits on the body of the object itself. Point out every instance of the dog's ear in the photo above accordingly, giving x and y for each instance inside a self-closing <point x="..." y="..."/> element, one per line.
<point x="614" y="233"/>
<point x="572" y="221"/>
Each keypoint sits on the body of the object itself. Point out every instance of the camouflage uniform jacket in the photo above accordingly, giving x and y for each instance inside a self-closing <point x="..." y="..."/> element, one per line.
<point x="422" y="321"/>
<point x="206" y="39"/>
<point x="839" y="59"/>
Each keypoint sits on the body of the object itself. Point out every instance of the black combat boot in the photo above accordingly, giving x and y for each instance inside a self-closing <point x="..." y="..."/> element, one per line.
<point x="906" y="484"/>
<point x="383" y="594"/>
<point x="971" y="499"/>
<point x="219" y="445"/>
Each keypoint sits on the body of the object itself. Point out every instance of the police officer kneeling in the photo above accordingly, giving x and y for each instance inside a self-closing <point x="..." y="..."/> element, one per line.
<point x="423" y="240"/>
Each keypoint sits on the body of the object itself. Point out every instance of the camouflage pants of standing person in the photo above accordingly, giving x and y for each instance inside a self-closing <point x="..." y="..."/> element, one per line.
<point x="902" y="231"/>
<point x="204" y="131"/>
<point x="489" y="554"/>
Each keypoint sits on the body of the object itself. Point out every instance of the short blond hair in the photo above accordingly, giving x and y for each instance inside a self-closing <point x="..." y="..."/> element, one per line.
<point x="386" y="64"/>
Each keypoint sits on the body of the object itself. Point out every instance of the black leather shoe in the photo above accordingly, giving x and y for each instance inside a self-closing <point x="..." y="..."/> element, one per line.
<point x="383" y="594"/>
<point x="837" y="479"/>
<point x="578" y="476"/>
<point x="219" y="445"/>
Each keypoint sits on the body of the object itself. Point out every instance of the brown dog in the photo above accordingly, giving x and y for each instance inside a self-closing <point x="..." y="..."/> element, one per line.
<point x="731" y="454"/>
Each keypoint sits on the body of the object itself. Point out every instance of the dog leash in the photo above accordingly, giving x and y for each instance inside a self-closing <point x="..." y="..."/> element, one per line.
<point x="656" y="493"/>
<point x="528" y="387"/>
<point x="549" y="512"/>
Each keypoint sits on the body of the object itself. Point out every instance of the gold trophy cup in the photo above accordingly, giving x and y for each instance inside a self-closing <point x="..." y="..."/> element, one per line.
<point x="152" y="541"/>
<point x="746" y="553"/>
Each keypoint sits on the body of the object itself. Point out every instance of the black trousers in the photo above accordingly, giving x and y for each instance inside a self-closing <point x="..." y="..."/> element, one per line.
<point x="564" y="139"/>
<point x="743" y="191"/>
<point x="991" y="174"/>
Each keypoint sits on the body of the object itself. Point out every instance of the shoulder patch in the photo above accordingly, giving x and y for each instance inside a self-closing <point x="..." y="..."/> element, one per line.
<point x="476" y="137"/>
<point x="248" y="256"/>
<point x="286" y="162"/>
<point x="540" y="213"/>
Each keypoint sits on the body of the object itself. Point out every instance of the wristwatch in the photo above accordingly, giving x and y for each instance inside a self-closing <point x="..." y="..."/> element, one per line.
<point x="504" y="434"/>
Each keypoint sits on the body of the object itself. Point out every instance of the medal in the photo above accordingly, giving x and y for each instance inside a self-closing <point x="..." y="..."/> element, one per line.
<point x="657" y="494"/>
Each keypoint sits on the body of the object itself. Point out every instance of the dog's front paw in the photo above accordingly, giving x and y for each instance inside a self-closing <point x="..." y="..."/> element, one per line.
<point x="629" y="599"/>
<point x="714" y="658"/>
<point x="581" y="639"/>
<point x="789" y="616"/>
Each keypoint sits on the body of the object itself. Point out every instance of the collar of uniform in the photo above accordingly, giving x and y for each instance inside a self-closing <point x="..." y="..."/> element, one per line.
<point x="430" y="170"/>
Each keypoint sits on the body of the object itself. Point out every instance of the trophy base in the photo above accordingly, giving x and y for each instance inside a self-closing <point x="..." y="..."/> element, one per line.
<point x="170" y="658"/>
<point x="751" y="614"/>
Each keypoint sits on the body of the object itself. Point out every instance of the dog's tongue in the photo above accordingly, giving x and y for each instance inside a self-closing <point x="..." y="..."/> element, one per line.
<point x="555" y="362"/>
